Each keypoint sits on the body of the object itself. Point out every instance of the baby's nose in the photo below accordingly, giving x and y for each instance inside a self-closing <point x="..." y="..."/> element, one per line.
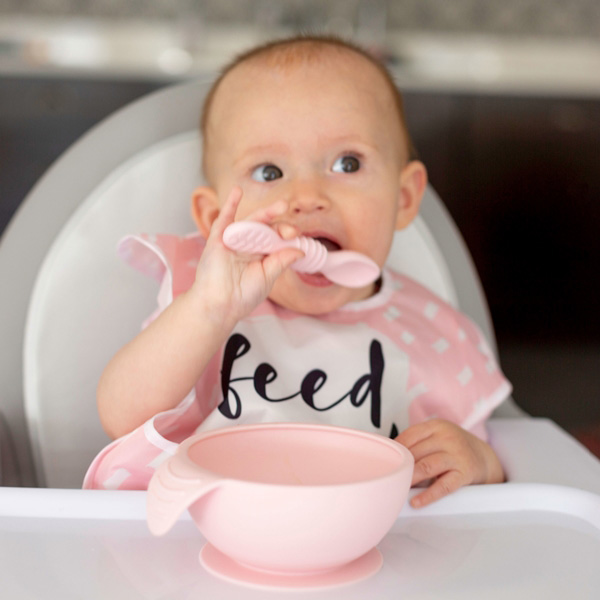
<point x="307" y="197"/>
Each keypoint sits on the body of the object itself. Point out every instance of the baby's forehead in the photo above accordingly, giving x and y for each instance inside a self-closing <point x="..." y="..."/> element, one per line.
<point x="301" y="90"/>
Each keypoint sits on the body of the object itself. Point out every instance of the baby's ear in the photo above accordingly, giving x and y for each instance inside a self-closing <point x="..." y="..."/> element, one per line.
<point x="205" y="208"/>
<point x="413" y="181"/>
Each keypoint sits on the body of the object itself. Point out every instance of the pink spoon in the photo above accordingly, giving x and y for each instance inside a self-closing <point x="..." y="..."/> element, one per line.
<point x="344" y="267"/>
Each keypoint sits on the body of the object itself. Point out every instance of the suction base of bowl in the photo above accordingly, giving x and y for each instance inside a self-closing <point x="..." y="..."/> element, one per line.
<point x="223" y="567"/>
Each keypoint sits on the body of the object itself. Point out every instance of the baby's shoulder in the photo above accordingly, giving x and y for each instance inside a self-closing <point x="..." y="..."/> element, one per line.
<point x="418" y="311"/>
<point x="406" y="290"/>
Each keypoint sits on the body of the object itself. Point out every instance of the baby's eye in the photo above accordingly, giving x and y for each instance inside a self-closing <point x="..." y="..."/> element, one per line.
<point x="266" y="173"/>
<point x="346" y="164"/>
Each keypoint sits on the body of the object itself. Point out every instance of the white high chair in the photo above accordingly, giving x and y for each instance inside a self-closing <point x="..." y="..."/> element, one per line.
<point x="134" y="173"/>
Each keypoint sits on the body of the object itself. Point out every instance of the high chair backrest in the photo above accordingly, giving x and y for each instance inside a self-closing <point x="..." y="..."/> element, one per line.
<point x="132" y="173"/>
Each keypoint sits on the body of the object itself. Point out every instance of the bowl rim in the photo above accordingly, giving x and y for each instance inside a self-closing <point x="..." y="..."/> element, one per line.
<point x="406" y="455"/>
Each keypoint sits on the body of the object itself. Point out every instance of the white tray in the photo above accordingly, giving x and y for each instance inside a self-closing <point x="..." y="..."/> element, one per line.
<point x="503" y="541"/>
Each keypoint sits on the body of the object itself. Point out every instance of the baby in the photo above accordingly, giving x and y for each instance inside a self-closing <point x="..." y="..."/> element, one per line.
<point x="306" y="135"/>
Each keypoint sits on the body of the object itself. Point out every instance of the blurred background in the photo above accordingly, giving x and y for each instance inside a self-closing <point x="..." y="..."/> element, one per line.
<point x="502" y="101"/>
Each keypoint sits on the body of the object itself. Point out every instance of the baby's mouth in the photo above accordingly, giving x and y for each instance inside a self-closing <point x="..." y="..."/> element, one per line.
<point x="331" y="245"/>
<point x="318" y="279"/>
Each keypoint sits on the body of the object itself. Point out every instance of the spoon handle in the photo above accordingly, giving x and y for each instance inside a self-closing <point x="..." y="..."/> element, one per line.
<point x="251" y="237"/>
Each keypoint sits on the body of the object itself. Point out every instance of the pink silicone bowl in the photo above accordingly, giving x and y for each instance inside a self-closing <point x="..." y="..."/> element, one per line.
<point x="284" y="498"/>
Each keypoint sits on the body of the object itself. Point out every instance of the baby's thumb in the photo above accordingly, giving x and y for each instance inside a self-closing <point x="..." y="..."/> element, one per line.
<point x="276" y="263"/>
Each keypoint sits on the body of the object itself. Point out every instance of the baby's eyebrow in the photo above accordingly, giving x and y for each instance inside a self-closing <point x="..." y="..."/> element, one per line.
<point x="261" y="150"/>
<point x="352" y="141"/>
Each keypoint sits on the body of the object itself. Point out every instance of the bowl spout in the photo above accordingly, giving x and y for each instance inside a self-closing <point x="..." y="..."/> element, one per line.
<point x="173" y="488"/>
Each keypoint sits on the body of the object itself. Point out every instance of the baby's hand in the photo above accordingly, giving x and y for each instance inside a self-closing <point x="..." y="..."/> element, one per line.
<point x="229" y="284"/>
<point x="451" y="456"/>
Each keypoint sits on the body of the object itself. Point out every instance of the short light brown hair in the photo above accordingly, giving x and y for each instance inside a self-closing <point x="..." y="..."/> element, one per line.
<point x="288" y="52"/>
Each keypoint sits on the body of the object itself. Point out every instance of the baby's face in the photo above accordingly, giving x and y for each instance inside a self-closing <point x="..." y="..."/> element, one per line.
<point x="326" y="139"/>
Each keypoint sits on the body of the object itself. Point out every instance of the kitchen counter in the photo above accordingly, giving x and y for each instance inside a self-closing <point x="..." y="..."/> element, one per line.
<point x="165" y="51"/>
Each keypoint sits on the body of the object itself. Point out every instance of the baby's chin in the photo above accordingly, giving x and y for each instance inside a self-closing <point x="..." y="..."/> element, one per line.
<point x="314" y="294"/>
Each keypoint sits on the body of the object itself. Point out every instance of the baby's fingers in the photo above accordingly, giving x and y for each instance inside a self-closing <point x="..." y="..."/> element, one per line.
<point x="418" y="433"/>
<point x="430" y="465"/>
<point x="445" y="484"/>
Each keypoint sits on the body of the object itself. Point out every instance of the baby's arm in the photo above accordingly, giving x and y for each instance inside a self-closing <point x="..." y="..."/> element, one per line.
<point x="450" y="455"/>
<point x="159" y="367"/>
